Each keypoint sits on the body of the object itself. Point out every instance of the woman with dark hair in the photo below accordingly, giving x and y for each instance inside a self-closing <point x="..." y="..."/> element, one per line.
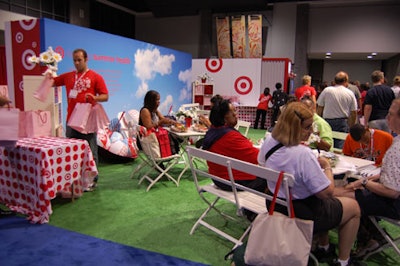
<point x="149" y="116"/>
<point x="224" y="139"/>
<point x="313" y="189"/>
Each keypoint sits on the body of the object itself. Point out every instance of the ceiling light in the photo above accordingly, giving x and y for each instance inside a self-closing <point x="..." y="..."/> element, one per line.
<point x="328" y="53"/>
<point x="373" y="54"/>
<point x="370" y="56"/>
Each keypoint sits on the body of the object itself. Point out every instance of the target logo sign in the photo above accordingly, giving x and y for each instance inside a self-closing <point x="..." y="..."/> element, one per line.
<point x="59" y="50"/>
<point x="214" y="65"/>
<point x="243" y="85"/>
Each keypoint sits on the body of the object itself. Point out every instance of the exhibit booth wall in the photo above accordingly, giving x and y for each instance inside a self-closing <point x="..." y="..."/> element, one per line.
<point x="130" y="68"/>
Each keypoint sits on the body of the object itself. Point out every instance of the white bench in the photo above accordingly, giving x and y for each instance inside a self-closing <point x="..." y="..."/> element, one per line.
<point x="242" y="197"/>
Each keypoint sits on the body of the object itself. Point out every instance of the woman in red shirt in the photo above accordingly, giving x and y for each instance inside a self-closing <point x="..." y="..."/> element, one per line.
<point x="262" y="108"/>
<point x="224" y="139"/>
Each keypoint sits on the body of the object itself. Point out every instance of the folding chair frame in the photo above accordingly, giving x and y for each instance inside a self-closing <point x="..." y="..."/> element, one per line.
<point x="154" y="166"/>
<point x="391" y="242"/>
<point x="245" y="124"/>
<point x="242" y="197"/>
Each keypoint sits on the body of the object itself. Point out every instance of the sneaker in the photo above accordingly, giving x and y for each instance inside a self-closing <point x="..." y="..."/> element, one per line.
<point x="371" y="245"/>
<point x="352" y="262"/>
<point x="325" y="256"/>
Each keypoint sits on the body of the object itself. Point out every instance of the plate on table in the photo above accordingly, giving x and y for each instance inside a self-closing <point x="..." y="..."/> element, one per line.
<point x="331" y="157"/>
<point x="178" y="128"/>
<point x="200" y="128"/>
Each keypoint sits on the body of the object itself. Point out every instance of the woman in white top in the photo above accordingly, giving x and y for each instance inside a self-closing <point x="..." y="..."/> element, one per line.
<point x="313" y="189"/>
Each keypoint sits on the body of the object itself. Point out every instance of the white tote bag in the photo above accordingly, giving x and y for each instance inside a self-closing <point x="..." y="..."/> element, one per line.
<point x="278" y="240"/>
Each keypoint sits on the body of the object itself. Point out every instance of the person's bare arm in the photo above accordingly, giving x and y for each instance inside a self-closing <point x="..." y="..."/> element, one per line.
<point x="163" y="120"/>
<point x="328" y="191"/>
<point x="97" y="98"/>
<point x="352" y="119"/>
<point x="375" y="187"/>
<point x="320" y="110"/>
<point x="367" y="113"/>
<point x="323" y="145"/>
<point x="147" y="122"/>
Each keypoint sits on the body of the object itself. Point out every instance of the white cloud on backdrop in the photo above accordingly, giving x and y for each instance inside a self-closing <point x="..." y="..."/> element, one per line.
<point x="185" y="77"/>
<point x="164" y="106"/>
<point x="149" y="63"/>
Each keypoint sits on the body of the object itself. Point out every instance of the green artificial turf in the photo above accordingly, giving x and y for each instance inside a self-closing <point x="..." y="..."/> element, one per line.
<point x="159" y="220"/>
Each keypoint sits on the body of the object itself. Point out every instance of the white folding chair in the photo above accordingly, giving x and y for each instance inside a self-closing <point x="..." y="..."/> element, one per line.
<point x="245" y="199"/>
<point x="204" y="112"/>
<point x="128" y="121"/>
<point x="190" y="105"/>
<point x="245" y="124"/>
<point x="340" y="136"/>
<point x="391" y="242"/>
<point x="156" y="164"/>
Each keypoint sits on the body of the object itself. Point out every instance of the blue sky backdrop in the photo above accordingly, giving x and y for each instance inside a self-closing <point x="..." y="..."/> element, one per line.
<point x="130" y="68"/>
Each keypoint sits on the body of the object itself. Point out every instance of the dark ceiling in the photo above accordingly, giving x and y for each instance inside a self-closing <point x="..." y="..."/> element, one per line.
<point x="172" y="8"/>
<point x="175" y="8"/>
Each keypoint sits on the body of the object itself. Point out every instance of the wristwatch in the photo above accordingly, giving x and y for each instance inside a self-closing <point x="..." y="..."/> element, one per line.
<point x="364" y="182"/>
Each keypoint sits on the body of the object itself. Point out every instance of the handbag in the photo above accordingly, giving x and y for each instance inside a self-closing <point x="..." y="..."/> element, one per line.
<point x="163" y="141"/>
<point x="37" y="123"/>
<point x="44" y="88"/>
<point x="80" y="117"/>
<point x="9" y="125"/>
<point x="150" y="146"/>
<point x="97" y="119"/>
<point x="276" y="239"/>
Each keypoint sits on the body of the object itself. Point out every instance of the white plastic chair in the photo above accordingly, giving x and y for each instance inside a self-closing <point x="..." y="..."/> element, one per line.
<point x="340" y="136"/>
<point x="245" y="124"/>
<point x="391" y="242"/>
<point x="245" y="199"/>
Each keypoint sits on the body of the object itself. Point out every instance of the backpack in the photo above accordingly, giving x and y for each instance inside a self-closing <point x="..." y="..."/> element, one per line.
<point x="279" y="98"/>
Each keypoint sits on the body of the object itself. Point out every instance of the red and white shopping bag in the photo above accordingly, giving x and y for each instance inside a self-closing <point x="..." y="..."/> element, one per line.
<point x="98" y="118"/>
<point x="37" y="123"/>
<point x="44" y="88"/>
<point x="163" y="141"/>
<point x="79" y="119"/>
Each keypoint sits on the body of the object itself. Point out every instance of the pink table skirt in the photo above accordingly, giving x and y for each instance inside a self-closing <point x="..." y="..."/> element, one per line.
<point x="37" y="169"/>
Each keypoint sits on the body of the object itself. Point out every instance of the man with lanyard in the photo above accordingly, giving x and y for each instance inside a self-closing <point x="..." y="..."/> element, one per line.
<point x="83" y="85"/>
<point x="367" y="143"/>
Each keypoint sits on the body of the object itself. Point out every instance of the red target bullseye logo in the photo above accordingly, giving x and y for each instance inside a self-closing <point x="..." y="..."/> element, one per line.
<point x="59" y="50"/>
<point x="243" y="85"/>
<point x="214" y="65"/>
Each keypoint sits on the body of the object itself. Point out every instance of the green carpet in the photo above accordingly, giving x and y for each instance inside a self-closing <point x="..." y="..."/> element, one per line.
<point x="159" y="220"/>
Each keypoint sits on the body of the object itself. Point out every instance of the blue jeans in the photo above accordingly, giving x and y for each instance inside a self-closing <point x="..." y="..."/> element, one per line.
<point x="91" y="138"/>
<point x="338" y="124"/>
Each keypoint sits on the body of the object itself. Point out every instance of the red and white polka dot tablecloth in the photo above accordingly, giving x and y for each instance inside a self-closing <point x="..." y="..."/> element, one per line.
<point x="37" y="169"/>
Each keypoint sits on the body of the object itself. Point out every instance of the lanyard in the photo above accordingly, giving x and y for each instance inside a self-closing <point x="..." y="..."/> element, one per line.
<point x="371" y="145"/>
<point x="78" y="79"/>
